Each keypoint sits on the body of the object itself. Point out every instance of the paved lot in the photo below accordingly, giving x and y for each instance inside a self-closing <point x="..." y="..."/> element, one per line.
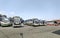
<point x="29" y="32"/>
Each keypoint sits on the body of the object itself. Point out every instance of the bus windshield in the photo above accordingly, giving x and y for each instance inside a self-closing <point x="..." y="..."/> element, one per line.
<point x="5" y="20"/>
<point x="16" y="19"/>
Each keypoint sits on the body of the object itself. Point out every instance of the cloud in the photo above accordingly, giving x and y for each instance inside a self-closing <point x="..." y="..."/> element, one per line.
<point x="12" y="13"/>
<point x="8" y="13"/>
<point x="2" y="12"/>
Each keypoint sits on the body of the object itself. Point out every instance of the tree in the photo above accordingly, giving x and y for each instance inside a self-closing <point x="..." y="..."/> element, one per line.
<point x="5" y="16"/>
<point x="55" y="22"/>
<point x="11" y="19"/>
<point x="21" y="20"/>
<point x="43" y="22"/>
<point x="0" y="15"/>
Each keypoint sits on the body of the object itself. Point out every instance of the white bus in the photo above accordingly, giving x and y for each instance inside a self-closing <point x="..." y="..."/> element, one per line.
<point x="4" y="22"/>
<point x="16" y="21"/>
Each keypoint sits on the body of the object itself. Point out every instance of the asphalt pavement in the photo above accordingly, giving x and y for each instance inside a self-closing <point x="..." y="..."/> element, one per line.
<point x="30" y="32"/>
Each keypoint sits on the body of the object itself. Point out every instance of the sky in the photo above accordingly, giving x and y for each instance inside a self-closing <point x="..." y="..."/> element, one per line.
<point x="27" y="9"/>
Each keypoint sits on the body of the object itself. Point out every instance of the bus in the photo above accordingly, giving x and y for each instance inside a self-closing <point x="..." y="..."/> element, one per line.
<point x="17" y="21"/>
<point x="4" y="22"/>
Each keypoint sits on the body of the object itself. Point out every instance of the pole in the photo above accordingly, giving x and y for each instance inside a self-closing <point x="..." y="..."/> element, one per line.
<point x="21" y="35"/>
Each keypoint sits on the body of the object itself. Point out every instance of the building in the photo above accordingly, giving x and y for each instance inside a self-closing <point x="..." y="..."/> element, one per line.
<point x="50" y="23"/>
<point x="53" y="23"/>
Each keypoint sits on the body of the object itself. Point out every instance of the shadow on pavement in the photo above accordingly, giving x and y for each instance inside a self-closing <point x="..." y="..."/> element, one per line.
<point x="57" y="32"/>
<point x="18" y="26"/>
